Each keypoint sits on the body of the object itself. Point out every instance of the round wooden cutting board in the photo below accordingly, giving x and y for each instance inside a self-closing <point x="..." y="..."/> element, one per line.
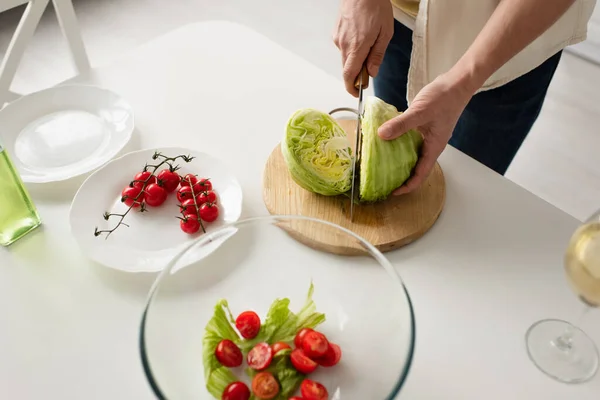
<point x="387" y="225"/>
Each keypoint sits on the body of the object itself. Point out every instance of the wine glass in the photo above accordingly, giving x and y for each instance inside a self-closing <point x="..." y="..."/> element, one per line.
<point x="558" y="348"/>
<point x="250" y="264"/>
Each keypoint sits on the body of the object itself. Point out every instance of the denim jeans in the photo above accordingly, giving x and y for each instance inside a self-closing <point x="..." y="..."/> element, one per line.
<point x="495" y="122"/>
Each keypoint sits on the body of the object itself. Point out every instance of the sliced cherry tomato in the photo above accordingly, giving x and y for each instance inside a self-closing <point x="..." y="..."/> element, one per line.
<point x="277" y="347"/>
<point x="184" y="193"/>
<point x="312" y="390"/>
<point x="209" y="212"/>
<point x="331" y="357"/>
<point x="236" y="391"/>
<point x="189" y="224"/>
<point x="302" y="362"/>
<point x="265" y="386"/>
<point x="132" y="196"/>
<point x="203" y="185"/>
<point x="300" y="337"/>
<point x="207" y="197"/>
<point x="248" y="323"/>
<point x="229" y="354"/>
<point x="185" y="181"/>
<point x="260" y="356"/>
<point x="155" y="195"/>
<point x="168" y="179"/>
<point x="142" y="179"/>
<point x="188" y="207"/>
<point x="315" y="344"/>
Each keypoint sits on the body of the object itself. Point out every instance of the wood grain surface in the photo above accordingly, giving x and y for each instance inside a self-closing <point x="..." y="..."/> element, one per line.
<point x="387" y="225"/>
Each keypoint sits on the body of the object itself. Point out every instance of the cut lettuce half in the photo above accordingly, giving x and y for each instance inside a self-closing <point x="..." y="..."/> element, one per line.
<point x="385" y="164"/>
<point x="317" y="153"/>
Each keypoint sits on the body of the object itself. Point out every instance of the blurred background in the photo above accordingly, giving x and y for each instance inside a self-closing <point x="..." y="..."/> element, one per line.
<point x="559" y="162"/>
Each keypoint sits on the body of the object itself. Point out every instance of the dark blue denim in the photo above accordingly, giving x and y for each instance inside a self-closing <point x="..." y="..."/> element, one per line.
<point x="494" y="124"/>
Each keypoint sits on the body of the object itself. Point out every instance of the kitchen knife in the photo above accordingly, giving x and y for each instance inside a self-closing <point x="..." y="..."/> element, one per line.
<point x="361" y="82"/>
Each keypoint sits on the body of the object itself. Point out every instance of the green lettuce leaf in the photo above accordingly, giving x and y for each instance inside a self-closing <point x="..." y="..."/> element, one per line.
<point x="317" y="153"/>
<point x="218" y="328"/>
<point x="288" y="377"/>
<point x="281" y="324"/>
<point x="385" y="164"/>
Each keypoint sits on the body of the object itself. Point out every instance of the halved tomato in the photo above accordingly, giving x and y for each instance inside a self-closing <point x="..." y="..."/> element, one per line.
<point x="229" y="354"/>
<point x="302" y="362"/>
<point x="331" y="357"/>
<point x="248" y="324"/>
<point x="312" y="390"/>
<point x="277" y="347"/>
<point x="315" y="344"/>
<point x="236" y="391"/>
<point x="300" y="337"/>
<point x="260" y="356"/>
<point x="265" y="386"/>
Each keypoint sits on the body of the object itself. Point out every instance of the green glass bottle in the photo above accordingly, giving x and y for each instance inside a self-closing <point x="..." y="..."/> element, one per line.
<point x="18" y="214"/>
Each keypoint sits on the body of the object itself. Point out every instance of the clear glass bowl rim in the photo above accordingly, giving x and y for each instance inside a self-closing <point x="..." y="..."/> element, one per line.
<point x="208" y="237"/>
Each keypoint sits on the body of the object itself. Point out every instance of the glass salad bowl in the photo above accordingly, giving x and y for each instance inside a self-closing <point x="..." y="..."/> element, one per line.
<point x="260" y="306"/>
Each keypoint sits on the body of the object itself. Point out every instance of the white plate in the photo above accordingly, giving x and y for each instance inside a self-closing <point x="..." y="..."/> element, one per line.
<point x="65" y="131"/>
<point x="154" y="237"/>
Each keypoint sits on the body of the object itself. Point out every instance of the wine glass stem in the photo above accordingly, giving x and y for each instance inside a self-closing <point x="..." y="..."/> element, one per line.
<point x="565" y="341"/>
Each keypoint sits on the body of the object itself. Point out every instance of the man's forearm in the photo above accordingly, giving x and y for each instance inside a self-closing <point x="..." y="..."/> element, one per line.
<point x="513" y="25"/>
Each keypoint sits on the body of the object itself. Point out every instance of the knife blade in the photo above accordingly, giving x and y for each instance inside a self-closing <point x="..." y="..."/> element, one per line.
<point x="361" y="82"/>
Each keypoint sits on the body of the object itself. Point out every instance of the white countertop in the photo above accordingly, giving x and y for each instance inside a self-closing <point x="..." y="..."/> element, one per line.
<point x="489" y="268"/>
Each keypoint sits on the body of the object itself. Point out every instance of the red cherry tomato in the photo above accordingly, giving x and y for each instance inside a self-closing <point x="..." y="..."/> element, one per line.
<point x="209" y="212"/>
<point x="265" y="386"/>
<point x="188" y="207"/>
<point x="228" y="354"/>
<point x="260" y="356"/>
<point x="277" y="347"/>
<point x="331" y="357"/>
<point x="302" y="362"/>
<point x="132" y="196"/>
<point x="236" y="391"/>
<point x="184" y="193"/>
<point x="312" y="390"/>
<point x="295" y="398"/>
<point x="185" y="181"/>
<point x="189" y="224"/>
<point x="155" y="195"/>
<point x="315" y="344"/>
<point x="248" y="323"/>
<point x="207" y="197"/>
<point x="143" y="178"/>
<point x="168" y="179"/>
<point x="203" y="185"/>
<point x="300" y="337"/>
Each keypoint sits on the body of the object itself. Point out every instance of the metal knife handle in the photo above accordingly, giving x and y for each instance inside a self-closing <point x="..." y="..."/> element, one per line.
<point x="365" y="78"/>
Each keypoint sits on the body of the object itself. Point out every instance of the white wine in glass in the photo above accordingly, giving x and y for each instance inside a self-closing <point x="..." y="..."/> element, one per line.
<point x="558" y="348"/>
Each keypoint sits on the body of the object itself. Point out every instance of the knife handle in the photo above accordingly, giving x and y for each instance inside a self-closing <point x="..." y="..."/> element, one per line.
<point x="365" y="78"/>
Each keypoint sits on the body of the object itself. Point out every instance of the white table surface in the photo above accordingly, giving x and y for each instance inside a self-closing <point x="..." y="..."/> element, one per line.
<point x="490" y="267"/>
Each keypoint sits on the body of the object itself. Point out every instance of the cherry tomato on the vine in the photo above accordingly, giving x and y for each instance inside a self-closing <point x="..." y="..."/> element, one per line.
<point x="143" y="178"/>
<point x="260" y="356"/>
<point x="209" y="212"/>
<point x="277" y="347"/>
<point x="312" y="390"/>
<point x="207" y="197"/>
<point x="155" y="195"/>
<point x="300" y="337"/>
<point x="302" y="362"/>
<point x="168" y="179"/>
<point x="184" y="193"/>
<point x="236" y="391"/>
<point x="188" y="207"/>
<point x="315" y="344"/>
<point x="203" y="185"/>
<point x="189" y="224"/>
<point x="229" y="354"/>
<point x="265" y="386"/>
<point x="248" y="324"/>
<point x="185" y="181"/>
<point x="132" y="196"/>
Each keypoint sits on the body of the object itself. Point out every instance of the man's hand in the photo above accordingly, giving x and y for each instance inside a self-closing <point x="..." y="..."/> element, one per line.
<point x="434" y="113"/>
<point x="363" y="32"/>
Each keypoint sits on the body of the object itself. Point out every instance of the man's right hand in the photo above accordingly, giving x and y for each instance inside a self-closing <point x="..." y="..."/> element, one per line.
<point x="363" y="32"/>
